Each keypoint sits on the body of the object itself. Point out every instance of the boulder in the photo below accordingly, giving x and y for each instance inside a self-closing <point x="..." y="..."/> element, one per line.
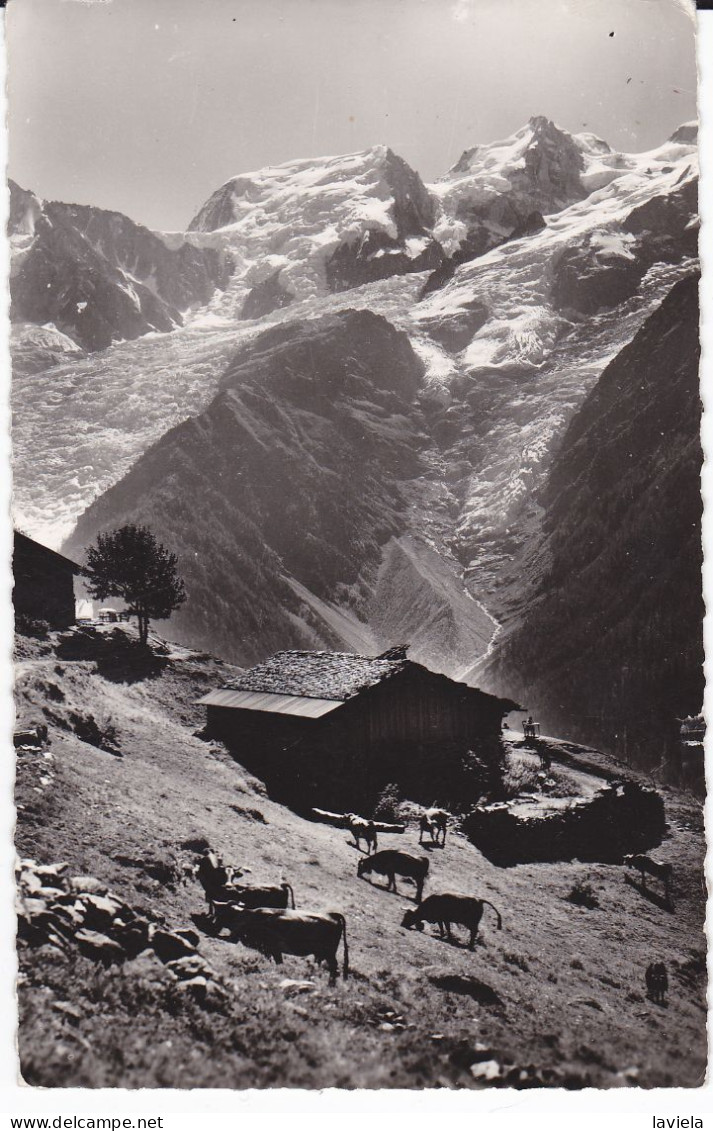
<point x="51" y="871"/>
<point x="88" y="885"/>
<point x="169" y="945"/>
<point x="191" y="966"/>
<point x="98" y="946"/>
<point x="100" y="912"/>
<point x="134" y="936"/>
<point x="190" y="936"/>
<point x="148" y="965"/>
<point x="197" y="986"/>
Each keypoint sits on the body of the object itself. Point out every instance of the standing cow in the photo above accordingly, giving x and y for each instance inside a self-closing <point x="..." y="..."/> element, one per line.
<point x="361" y="829"/>
<point x="390" y="862"/>
<point x="259" y="895"/>
<point x="657" y="982"/>
<point x="447" y="908"/>
<point x="433" y="823"/>
<point x="646" y="865"/>
<point x="275" y="932"/>
<point x="216" y="878"/>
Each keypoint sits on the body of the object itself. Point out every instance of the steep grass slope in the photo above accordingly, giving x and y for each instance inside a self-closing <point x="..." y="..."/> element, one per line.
<point x="555" y="998"/>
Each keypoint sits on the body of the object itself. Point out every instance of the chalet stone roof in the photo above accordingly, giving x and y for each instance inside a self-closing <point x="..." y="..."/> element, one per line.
<point x="318" y="675"/>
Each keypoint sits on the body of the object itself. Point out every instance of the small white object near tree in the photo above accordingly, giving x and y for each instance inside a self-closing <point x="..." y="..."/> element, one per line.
<point x="131" y="564"/>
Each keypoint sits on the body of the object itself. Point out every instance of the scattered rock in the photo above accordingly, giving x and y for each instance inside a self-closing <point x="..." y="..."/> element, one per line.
<point x="486" y="1070"/>
<point x="148" y="965"/>
<point x="294" y="986"/>
<point x="96" y="945"/>
<point x="169" y="945"/>
<point x="191" y="966"/>
<point x="88" y="885"/>
<point x="197" y="985"/>
<point x="189" y="935"/>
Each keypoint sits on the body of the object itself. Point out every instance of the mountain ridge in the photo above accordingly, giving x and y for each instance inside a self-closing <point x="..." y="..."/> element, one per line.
<point x="502" y="344"/>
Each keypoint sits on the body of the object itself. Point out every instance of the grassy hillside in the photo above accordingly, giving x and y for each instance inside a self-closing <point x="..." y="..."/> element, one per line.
<point x="555" y="998"/>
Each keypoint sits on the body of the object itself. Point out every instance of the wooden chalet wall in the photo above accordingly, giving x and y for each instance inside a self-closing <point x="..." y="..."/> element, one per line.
<point x="44" y="583"/>
<point x="418" y="706"/>
<point x="413" y="729"/>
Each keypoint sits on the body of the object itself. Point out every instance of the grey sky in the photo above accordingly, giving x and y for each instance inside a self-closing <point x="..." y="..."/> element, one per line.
<point x="147" y="106"/>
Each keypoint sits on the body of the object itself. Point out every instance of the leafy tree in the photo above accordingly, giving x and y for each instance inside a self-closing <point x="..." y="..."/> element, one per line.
<point x="130" y="563"/>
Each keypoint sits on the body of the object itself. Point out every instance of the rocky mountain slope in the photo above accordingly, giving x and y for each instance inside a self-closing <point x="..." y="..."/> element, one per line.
<point x="479" y="312"/>
<point x="96" y="276"/>
<point x="126" y="794"/>
<point x="607" y="636"/>
<point x="290" y="484"/>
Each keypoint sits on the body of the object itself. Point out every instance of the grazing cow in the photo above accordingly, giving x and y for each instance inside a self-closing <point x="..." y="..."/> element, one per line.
<point x="259" y="895"/>
<point x="361" y="829"/>
<point x="447" y="908"/>
<point x="392" y="863"/>
<point x="277" y="931"/>
<point x="433" y="822"/>
<point x="645" y="865"/>
<point x="657" y="982"/>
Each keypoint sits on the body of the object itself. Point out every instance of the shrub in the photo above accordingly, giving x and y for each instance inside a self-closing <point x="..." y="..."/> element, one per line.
<point x="31" y="626"/>
<point x="100" y="733"/>
<point x="559" y="785"/>
<point x="519" y="778"/>
<point x="387" y="804"/>
<point x="583" y="895"/>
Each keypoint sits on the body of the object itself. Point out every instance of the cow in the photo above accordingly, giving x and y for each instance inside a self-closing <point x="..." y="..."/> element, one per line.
<point x="277" y="931"/>
<point x="645" y="865"/>
<point x="446" y="908"/>
<point x="392" y="863"/>
<point x="215" y="878"/>
<point x="433" y="822"/>
<point x="361" y="829"/>
<point x="258" y="895"/>
<point x="656" y="982"/>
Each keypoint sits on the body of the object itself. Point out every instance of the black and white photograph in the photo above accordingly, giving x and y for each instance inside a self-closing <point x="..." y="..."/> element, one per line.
<point x="356" y="508"/>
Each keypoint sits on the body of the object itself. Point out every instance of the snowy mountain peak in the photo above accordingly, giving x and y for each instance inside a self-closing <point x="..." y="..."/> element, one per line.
<point x="377" y="169"/>
<point x="308" y="227"/>
<point x="494" y="189"/>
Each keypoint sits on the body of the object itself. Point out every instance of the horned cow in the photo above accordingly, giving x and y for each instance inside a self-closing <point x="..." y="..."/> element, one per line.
<point x="216" y="879"/>
<point x="392" y="863"/>
<point x="447" y="908"/>
<point x="276" y="931"/>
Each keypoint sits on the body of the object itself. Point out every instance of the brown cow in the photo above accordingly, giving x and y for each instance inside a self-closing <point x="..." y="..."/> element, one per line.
<point x="258" y="895"/>
<point x="449" y="907"/>
<point x="392" y="863"/>
<point x="646" y="865"/>
<point x="277" y="931"/>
